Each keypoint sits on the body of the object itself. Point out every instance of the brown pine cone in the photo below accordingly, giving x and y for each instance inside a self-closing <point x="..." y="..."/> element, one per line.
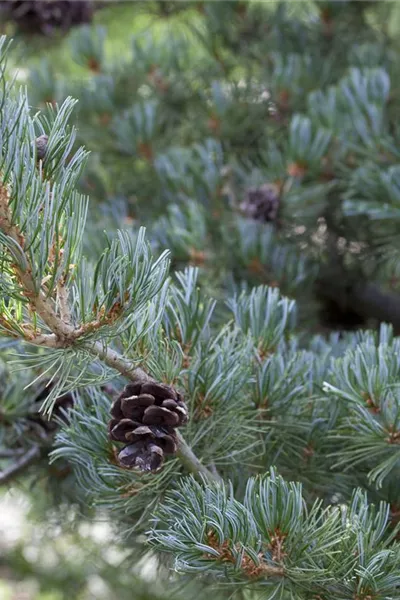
<point x="151" y="404"/>
<point x="144" y="455"/>
<point x="146" y="415"/>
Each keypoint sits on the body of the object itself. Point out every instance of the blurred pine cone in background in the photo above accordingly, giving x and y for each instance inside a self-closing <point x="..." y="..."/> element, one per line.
<point x="46" y="17"/>
<point x="261" y="203"/>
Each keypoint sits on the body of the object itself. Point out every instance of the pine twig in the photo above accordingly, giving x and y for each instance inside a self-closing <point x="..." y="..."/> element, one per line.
<point x="114" y="360"/>
<point x="11" y="453"/>
<point x="19" y="465"/>
<point x="126" y="368"/>
<point x="192" y="463"/>
<point x="65" y="334"/>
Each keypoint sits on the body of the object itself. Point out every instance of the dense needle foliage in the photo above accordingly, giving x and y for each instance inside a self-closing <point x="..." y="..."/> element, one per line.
<point x="232" y="233"/>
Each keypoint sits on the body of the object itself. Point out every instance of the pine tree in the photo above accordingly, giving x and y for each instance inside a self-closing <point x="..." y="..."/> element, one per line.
<point x="223" y="384"/>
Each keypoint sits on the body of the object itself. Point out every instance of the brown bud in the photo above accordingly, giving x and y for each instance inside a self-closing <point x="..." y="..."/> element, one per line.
<point x="41" y="146"/>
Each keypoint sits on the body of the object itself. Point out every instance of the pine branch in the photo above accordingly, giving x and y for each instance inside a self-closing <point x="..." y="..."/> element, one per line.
<point x="114" y="360"/>
<point x="11" y="453"/>
<point x="192" y="463"/>
<point x="20" y="465"/>
<point x="135" y="374"/>
<point x="42" y="304"/>
<point x="270" y="539"/>
<point x="66" y="335"/>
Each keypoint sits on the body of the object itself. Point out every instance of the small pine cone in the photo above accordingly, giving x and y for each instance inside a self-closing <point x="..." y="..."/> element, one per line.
<point x="146" y="415"/>
<point x="261" y="203"/>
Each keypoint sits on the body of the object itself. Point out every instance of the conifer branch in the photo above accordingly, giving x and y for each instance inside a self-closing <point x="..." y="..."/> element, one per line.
<point x="114" y="360"/>
<point x="19" y="465"/>
<point x="126" y="368"/>
<point x="192" y="463"/>
<point x="38" y="300"/>
<point x="136" y="374"/>
<point x="64" y="334"/>
<point x="11" y="453"/>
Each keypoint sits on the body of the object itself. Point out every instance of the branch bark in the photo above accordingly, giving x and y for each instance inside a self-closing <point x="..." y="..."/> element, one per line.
<point x="192" y="463"/>
<point x="20" y="465"/>
<point x="11" y="453"/>
<point x="62" y="296"/>
<point x="114" y="360"/>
